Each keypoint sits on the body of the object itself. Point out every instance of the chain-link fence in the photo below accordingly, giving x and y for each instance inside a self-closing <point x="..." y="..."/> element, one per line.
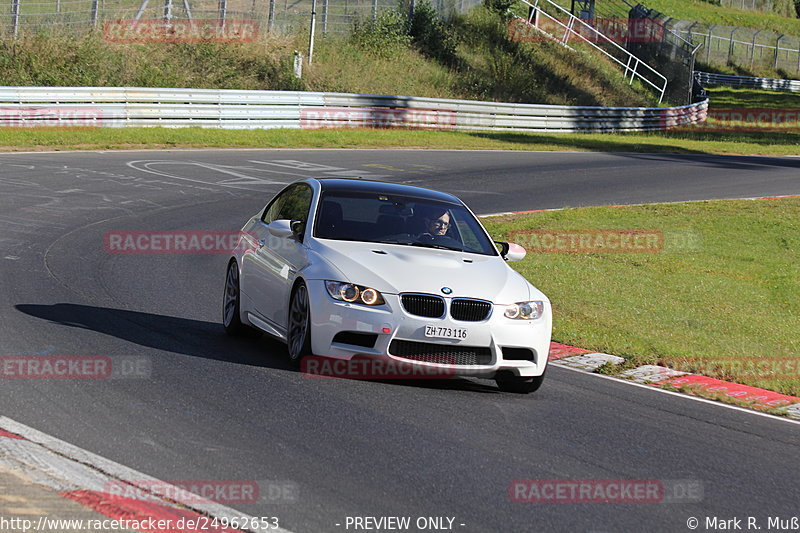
<point x="745" y="47"/>
<point x="712" y="44"/>
<point x="668" y="52"/>
<point x="76" y="16"/>
<point x="784" y="8"/>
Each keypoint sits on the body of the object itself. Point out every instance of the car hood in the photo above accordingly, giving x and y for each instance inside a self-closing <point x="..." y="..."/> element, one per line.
<point x="393" y="268"/>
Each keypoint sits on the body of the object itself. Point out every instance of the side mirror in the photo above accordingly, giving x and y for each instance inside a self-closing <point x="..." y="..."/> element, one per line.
<point x="511" y="251"/>
<point x="298" y="227"/>
<point x="281" y="228"/>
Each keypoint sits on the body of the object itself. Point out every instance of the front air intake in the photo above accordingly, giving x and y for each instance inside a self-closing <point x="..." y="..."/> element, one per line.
<point x="426" y="305"/>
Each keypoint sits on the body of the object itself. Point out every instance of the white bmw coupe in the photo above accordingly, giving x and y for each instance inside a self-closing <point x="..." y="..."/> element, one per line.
<point x="348" y="268"/>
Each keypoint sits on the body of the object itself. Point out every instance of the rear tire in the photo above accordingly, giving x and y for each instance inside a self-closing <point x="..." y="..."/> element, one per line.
<point x="231" y="318"/>
<point x="519" y="385"/>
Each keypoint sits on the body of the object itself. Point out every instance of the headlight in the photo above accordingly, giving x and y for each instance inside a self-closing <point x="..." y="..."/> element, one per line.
<point x="525" y="310"/>
<point x="351" y="293"/>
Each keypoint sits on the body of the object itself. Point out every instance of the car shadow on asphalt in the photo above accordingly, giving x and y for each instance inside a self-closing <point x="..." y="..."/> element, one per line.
<point x="199" y="338"/>
<point x="196" y="338"/>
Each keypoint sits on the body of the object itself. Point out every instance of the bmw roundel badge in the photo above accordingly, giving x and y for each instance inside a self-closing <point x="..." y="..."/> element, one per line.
<point x="447" y="290"/>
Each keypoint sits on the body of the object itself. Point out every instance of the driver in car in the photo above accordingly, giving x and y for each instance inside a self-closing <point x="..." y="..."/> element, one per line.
<point x="437" y="222"/>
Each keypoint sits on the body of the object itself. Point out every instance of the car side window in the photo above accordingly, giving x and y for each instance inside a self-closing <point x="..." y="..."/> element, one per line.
<point x="297" y="203"/>
<point x="293" y="203"/>
<point x="273" y="209"/>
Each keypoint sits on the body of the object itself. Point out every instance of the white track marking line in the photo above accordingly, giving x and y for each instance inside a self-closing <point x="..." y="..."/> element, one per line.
<point x="146" y="164"/>
<point x="679" y="394"/>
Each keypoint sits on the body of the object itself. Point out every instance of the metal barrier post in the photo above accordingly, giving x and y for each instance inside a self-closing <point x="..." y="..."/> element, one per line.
<point x="753" y="50"/>
<point x="298" y="65"/>
<point x="15" y="17"/>
<point x="223" y="11"/>
<point x="710" y="42"/>
<point x="627" y="65"/>
<point x="271" y="19"/>
<point x="635" y="66"/>
<point x="311" y="33"/>
<point x="568" y="30"/>
<point x="689" y="36"/>
<point x="777" y="47"/>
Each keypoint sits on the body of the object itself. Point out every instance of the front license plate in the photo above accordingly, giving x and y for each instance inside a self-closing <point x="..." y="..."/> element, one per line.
<point x="441" y="332"/>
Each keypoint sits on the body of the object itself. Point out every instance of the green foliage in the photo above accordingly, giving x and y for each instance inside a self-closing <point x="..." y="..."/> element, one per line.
<point x="469" y="57"/>
<point x="394" y="31"/>
<point x="385" y="36"/>
<point x="496" y="68"/>
<point x="55" y="60"/>
<point x="501" y="7"/>
<point x="432" y="35"/>
<point x="784" y="8"/>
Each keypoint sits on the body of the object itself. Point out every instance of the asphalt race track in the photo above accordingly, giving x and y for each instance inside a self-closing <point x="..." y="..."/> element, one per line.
<point x="217" y="408"/>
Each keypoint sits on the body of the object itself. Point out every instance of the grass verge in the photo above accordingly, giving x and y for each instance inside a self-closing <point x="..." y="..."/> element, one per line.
<point x="749" y="98"/>
<point x="719" y="297"/>
<point x="681" y="142"/>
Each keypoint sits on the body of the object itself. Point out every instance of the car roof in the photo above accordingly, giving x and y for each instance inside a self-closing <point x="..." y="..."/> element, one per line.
<point x="383" y="187"/>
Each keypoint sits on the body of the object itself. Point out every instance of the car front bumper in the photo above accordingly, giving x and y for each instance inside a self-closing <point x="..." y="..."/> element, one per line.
<point x="389" y="331"/>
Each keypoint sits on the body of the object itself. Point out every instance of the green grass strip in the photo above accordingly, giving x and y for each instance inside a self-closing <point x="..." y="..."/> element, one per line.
<point x="758" y="143"/>
<point x="720" y="296"/>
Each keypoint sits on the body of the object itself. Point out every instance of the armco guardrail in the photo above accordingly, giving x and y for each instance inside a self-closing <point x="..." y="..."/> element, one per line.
<point x="769" y="84"/>
<point x="234" y="109"/>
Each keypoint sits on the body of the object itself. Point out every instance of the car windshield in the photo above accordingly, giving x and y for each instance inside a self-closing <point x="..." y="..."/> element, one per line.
<point x="405" y="220"/>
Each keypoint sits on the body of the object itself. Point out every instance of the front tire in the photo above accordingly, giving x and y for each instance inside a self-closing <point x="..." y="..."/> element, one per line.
<point x="519" y="385"/>
<point x="298" y="338"/>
